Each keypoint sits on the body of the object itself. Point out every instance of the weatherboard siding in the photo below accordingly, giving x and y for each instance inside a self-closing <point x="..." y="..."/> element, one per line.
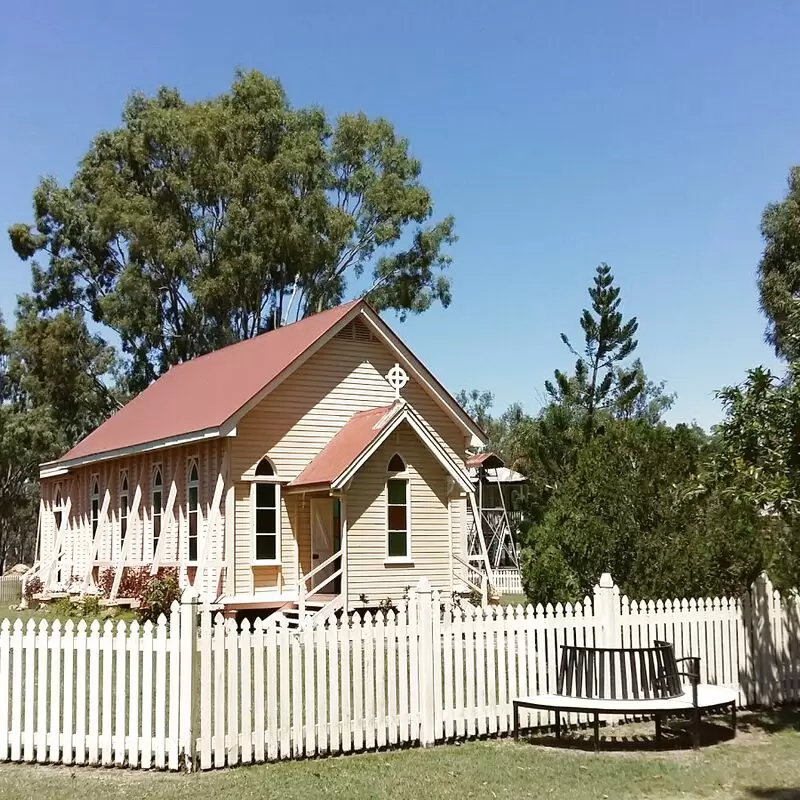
<point x="294" y="423"/>
<point x="367" y="571"/>
<point x="78" y="542"/>
<point x="458" y="525"/>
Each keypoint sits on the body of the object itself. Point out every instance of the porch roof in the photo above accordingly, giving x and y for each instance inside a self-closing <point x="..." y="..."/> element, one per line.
<point x="358" y="433"/>
<point x="360" y="437"/>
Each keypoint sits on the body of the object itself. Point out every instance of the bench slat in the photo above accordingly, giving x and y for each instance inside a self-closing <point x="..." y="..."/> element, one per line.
<point x="580" y="658"/>
<point x="618" y="674"/>
<point x="634" y="681"/>
<point x="613" y="674"/>
<point x="643" y="675"/>
<point x="562" y="686"/>
<point x="601" y="674"/>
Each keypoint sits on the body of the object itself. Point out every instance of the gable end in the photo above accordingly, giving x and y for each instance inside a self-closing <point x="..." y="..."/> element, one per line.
<point x="356" y="331"/>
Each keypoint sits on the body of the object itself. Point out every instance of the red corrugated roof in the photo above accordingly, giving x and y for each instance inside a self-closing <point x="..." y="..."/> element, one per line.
<point x="488" y="460"/>
<point x="347" y="445"/>
<point x="203" y="393"/>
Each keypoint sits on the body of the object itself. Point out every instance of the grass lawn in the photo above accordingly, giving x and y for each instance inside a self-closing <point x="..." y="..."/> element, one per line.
<point x="52" y="612"/>
<point x="513" y="600"/>
<point x="763" y="762"/>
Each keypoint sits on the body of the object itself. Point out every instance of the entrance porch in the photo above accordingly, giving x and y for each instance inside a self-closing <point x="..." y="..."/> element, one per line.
<point x="308" y="580"/>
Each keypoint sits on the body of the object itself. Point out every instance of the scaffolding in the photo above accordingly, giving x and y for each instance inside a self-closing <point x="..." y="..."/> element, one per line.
<point x="490" y="535"/>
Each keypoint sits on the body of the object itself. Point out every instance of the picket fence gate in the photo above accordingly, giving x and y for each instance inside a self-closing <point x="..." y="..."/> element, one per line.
<point x="198" y="691"/>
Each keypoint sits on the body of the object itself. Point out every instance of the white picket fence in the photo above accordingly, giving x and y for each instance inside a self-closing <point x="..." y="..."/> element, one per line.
<point x="10" y="589"/>
<point x="507" y="581"/>
<point x="199" y="691"/>
<point x="76" y="693"/>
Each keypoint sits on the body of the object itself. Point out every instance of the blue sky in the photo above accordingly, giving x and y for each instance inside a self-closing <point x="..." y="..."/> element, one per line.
<point x="646" y="135"/>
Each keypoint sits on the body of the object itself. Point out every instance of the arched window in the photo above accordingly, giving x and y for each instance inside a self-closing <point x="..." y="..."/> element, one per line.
<point x="264" y="468"/>
<point x="58" y="518"/>
<point x="193" y="507"/>
<point x="396" y="463"/>
<point x="157" y="505"/>
<point x="265" y="501"/>
<point x="94" y="502"/>
<point x="123" y="507"/>
<point x="58" y="508"/>
<point x="398" y="518"/>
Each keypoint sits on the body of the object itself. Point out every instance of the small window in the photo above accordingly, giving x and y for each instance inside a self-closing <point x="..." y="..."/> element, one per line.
<point x="265" y="514"/>
<point x="58" y="508"/>
<point x="123" y="508"/>
<point x="396" y="464"/>
<point x="158" y="506"/>
<point x="94" y="498"/>
<point x="397" y="518"/>
<point x="193" y="508"/>
<point x="265" y="468"/>
<point x="58" y="518"/>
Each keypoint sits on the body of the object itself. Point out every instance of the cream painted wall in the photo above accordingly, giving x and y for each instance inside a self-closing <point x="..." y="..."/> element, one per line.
<point x="295" y="422"/>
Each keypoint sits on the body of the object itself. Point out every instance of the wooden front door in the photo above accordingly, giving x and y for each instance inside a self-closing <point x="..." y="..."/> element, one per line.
<point x="325" y="539"/>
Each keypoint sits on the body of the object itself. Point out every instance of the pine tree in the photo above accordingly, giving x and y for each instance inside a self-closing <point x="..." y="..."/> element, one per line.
<point x="779" y="271"/>
<point x="600" y="382"/>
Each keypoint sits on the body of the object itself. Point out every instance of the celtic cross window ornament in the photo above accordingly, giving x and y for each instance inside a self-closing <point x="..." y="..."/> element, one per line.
<point x="397" y="378"/>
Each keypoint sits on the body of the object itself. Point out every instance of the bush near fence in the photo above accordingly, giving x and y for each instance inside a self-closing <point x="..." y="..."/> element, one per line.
<point x="197" y="691"/>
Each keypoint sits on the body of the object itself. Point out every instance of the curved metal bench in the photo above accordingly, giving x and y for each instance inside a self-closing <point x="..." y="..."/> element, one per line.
<point x="635" y="680"/>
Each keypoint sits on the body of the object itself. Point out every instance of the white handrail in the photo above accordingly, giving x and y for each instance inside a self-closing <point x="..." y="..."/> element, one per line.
<point x="320" y="567"/>
<point x="468" y="565"/>
<point x="302" y="590"/>
<point x="335" y="574"/>
<point x="482" y="587"/>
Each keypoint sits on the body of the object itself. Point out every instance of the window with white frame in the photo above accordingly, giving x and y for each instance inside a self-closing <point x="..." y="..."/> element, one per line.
<point x="265" y="500"/>
<point x="157" y="505"/>
<point x="123" y="507"/>
<point x="193" y="508"/>
<point x="94" y="504"/>
<point x="398" y="530"/>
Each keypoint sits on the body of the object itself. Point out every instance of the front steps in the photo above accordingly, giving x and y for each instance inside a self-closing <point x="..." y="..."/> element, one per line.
<point x="317" y="608"/>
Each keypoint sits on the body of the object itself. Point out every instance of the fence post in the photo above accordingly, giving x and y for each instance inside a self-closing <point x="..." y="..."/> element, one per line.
<point x="425" y="677"/>
<point x="606" y="608"/>
<point x="189" y="661"/>
<point x="764" y="646"/>
<point x="606" y="612"/>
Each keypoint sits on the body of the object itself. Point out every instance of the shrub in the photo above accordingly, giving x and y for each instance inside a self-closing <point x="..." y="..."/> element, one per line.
<point x="629" y="507"/>
<point x="386" y="605"/>
<point x="161" y="591"/>
<point x="33" y="586"/>
<point x="90" y="607"/>
<point x="64" y="608"/>
<point x="133" y="582"/>
<point x="105" y="580"/>
<point x="155" y="593"/>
